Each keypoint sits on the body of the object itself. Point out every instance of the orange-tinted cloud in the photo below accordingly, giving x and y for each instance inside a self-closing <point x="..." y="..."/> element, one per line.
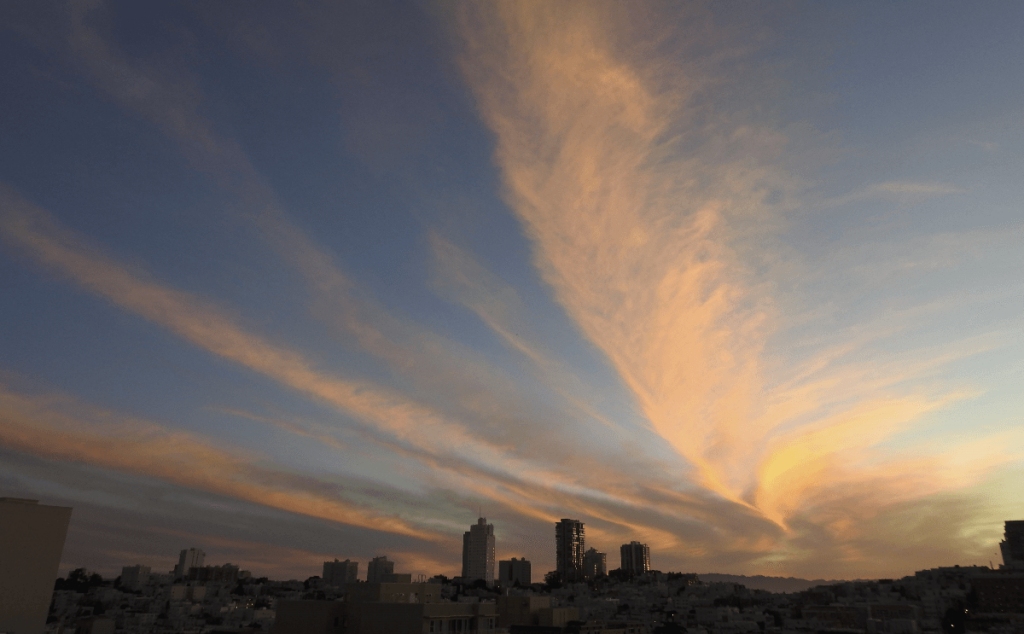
<point x="59" y="428"/>
<point x="646" y="208"/>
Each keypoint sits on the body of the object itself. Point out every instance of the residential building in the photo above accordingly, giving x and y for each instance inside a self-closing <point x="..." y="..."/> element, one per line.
<point x="595" y="564"/>
<point x="569" y="544"/>
<point x="187" y="560"/>
<point x="218" y="574"/>
<point x="379" y="569"/>
<point x="1012" y="545"/>
<point x="385" y="608"/>
<point x="31" y="543"/>
<point x="999" y="592"/>
<point x="514" y="571"/>
<point x="478" y="552"/>
<point x="535" y="612"/>
<point x="635" y="558"/>
<point x="338" y="573"/>
<point x="134" y="577"/>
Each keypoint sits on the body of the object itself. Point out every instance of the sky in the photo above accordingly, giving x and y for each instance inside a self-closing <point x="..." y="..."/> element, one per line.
<point x="291" y="282"/>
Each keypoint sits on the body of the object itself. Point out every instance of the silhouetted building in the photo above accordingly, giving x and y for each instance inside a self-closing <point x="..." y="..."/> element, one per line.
<point x="187" y="560"/>
<point x="338" y="573"/>
<point x="217" y="574"/>
<point x="379" y="570"/>
<point x="391" y="608"/>
<point x="999" y="593"/>
<point x="134" y="577"/>
<point x="1012" y="545"/>
<point x="514" y="571"/>
<point x="31" y="543"/>
<point x="533" y="614"/>
<point x="478" y="552"/>
<point x="569" y="544"/>
<point x="595" y="564"/>
<point x="635" y="558"/>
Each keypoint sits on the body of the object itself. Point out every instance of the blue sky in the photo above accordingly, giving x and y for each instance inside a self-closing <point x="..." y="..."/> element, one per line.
<point x="294" y="283"/>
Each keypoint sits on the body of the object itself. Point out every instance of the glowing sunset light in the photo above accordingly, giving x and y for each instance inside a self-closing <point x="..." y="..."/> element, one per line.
<point x="739" y="282"/>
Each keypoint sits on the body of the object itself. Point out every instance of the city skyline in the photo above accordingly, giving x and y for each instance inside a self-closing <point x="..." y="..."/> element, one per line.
<point x="738" y="282"/>
<point x="635" y="561"/>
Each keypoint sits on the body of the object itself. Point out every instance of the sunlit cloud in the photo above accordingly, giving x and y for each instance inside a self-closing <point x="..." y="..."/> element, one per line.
<point x="202" y="324"/>
<point x="769" y="387"/>
<point x="57" y="427"/>
<point x="645" y="239"/>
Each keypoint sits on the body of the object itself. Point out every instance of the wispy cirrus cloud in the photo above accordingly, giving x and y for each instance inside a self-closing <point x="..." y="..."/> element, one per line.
<point x="653" y="232"/>
<point x="59" y="428"/>
<point x="399" y="425"/>
<point x="34" y="232"/>
<point x="445" y="374"/>
<point x="650" y="192"/>
<point x="907" y="191"/>
<point x="636" y="250"/>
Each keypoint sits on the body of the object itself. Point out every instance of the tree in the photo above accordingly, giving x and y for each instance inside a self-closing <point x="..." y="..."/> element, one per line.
<point x="553" y="580"/>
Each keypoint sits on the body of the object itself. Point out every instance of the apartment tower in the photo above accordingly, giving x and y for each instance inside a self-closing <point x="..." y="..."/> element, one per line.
<point x="338" y="573"/>
<point x="636" y="558"/>
<point x="569" y="544"/>
<point x="478" y="552"/>
<point x="380" y="570"/>
<point x="595" y="564"/>
<point x="187" y="560"/>
<point x="514" y="571"/>
<point x="1012" y="545"/>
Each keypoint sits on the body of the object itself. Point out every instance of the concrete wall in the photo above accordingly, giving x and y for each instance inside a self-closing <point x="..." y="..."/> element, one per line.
<point x="31" y="543"/>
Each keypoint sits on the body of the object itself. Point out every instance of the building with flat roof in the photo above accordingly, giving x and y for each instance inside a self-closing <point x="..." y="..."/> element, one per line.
<point x="515" y="571"/>
<point x="478" y="552"/>
<point x="31" y="544"/>
<point x="337" y="573"/>
<point x="635" y="558"/>
<point x="569" y="544"/>
<point x="385" y="608"/>
<point x="1012" y="545"/>
<point x="380" y="569"/>
<point x="187" y="560"/>
<point x="595" y="564"/>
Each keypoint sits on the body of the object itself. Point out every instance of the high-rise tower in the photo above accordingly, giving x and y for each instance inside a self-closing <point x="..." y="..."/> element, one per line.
<point x="569" y="544"/>
<point x="514" y="571"/>
<point x="187" y="560"/>
<point x="478" y="552"/>
<point x="636" y="558"/>
<point x="1012" y="545"/>
<point x="380" y="570"/>
<point x="337" y="573"/>
<point x="595" y="564"/>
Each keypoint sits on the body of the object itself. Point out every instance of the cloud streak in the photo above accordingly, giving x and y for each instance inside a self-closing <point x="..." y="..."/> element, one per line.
<point x="58" y="428"/>
<point x="647" y="227"/>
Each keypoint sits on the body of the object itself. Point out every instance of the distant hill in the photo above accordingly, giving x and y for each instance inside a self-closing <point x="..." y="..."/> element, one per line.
<point x="771" y="584"/>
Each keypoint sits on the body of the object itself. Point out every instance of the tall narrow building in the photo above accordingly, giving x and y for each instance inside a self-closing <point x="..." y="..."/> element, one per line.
<point x="187" y="560"/>
<point x="569" y="544"/>
<point x="514" y="571"/>
<point x="338" y="573"/>
<point x="1012" y="545"/>
<point x="31" y="543"/>
<point x="636" y="558"/>
<point x="595" y="564"/>
<point x="380" y="570"/>
<point x="478" y="552"/>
